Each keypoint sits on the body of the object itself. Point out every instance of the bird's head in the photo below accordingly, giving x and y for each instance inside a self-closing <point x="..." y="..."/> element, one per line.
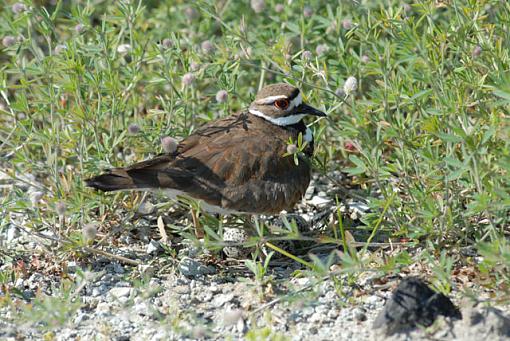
<point x="281" y="104"/>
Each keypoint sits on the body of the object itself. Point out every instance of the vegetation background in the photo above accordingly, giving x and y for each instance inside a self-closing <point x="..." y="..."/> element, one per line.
<point x="425" y="137"/>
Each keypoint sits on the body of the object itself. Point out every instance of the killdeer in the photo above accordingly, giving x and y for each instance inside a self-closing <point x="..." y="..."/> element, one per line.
<point x="233" y="165"/>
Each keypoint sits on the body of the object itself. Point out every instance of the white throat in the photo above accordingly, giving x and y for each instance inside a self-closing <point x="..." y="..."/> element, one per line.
<point x="285" y="121"/>
<point x="280" y="121"/>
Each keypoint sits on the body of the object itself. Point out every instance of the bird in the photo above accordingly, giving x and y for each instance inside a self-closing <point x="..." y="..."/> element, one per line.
<point x="238" y="164"/>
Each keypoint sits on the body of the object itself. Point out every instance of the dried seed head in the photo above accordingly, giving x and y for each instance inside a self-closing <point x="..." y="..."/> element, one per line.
<point x="89" y="232"/>
<point x="347" y="24"/>
<point x="350" y="85"/>
<point x="258" y="5"/>
<point x="365" y="59"/>
<point x="194" y="66"/>
<point x="35" y="197"/>
<point x="321" y="49"/>
<point x="60" y="207"/>
<point x="169" y="144"/>
<point x="221" y="96"/>
<point x="307" y="12"/>
<point x="477" y="51"/>
<point x="292" y="148"/>
<point x="167" y="43"/>
<point x="8" y="41"/>
<point x="123" y="48"/>
<point x="279" y="8"/>
<point x="133" y="129"/>
<point x="207" y="47"/>
<point x="306" y="55"/>
<point x="188" y="79"/>
<point x="60" y="48"/>
<point x="79" y="28"/>
<point x="191" y="13"/>
<point x="19" y="7"/>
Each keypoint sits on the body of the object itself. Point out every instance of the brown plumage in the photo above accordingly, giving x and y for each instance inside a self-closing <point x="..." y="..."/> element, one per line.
<point x="234" y="164"/>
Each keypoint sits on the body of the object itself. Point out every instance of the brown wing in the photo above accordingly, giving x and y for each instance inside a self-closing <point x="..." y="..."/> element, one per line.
<point x="231" y="163"/>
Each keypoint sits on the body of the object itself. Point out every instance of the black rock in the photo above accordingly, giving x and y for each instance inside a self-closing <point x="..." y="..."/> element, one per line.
<point x="414" y="304"/>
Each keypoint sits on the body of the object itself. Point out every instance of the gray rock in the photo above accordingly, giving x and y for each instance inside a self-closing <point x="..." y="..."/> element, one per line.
<point x="220" y="299"/>
<point x="154" y="247"/>
<point x="119" y="292"/>
<point x="359" y="314"/>
<point x="191" y="268"/>
<point x="318" y="201"/>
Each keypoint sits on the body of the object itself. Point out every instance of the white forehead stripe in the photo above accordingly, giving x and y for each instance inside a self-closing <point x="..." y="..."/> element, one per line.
<point x="296" y="102"/>
<point x="280" y="121"/>
<point x="270" y="99"/>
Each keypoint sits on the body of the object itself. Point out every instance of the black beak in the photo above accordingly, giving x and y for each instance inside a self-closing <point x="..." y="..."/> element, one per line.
<point x="308" y="110"/>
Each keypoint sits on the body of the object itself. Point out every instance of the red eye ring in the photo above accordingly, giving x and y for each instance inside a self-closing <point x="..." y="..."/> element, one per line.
<point x="281" y="103"/>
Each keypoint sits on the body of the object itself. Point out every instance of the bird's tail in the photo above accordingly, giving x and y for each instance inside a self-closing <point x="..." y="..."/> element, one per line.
<point x="120" y="179"/>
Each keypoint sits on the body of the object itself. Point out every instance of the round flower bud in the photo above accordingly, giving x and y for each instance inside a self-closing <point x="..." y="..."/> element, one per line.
<point x="133" y="129"/>
<point x="350" y="146"/>
<point x="79" y="28"/>
<point x="194" y="66"/>
<point x="477" y="51"/>
<point x="19" y="7"/>
<point x="167" y="43"/>
<point x="188" y="79"/>
<point x="292" y="148"/>
<point x="306" y="55"/>
<point x="350" y="85"/>
<point x="279" y="8"/>
<point x="89" y="232"/>
<point x="347" y="24"/>
<point x="258" y="5"/>
<point x="191" y="13"/>
<point x="221" y="96"/>
<point x="169" y="144"/>
<point x="207" y="47"/>
<point x="8" y="41"/>
<point x="321" y="49"/>
<point x="60" y="207"/>
<point x="365" y="59"/>
<point x="35" y="197"/>
<point x="307" y="12"/>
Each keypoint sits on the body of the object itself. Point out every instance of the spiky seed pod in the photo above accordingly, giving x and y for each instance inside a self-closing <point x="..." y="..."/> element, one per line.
<point x="188" y="79"/>
<point x="19" y="7"/>
<point x="133" y="129"/>
<point x="60" y="208"/>
<point x="258" y="5"/>
<point x="350" y="85"/>
<point x="8" y="41"/>
<point x="306" y="55"/>
<point x="169" y="144"/>
<point x="221" y="96"/>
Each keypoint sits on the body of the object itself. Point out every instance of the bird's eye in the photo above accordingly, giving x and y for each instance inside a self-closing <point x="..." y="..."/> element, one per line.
<point x="281" y="103"/>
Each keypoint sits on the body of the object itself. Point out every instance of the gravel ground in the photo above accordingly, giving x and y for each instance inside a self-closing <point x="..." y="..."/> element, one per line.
<point x="181" y="291"/>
